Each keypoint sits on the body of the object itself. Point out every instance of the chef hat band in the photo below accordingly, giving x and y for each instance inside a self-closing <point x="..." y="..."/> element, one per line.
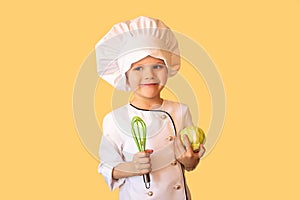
<point x="131" y="41"/>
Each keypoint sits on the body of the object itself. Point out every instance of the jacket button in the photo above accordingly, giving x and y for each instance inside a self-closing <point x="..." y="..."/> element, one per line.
<point x="176" y="187"/>
<point x="174" y="163"/>
<point x="163" y="116"/>
<point x="170" y="138"/>
<point x="150" y="193"/>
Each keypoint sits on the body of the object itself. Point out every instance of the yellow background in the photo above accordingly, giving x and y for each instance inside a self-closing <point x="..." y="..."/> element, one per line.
<point x="255" y="45"/>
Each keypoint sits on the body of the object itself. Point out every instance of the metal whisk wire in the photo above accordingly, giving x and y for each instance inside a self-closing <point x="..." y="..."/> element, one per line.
<point x="139" y="131"/>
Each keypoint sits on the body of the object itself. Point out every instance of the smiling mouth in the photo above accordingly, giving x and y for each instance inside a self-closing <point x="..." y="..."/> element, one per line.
<point x="150" y="84"/>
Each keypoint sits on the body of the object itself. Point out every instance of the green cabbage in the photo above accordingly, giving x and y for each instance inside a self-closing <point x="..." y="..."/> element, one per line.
<point x="196" y="136"/>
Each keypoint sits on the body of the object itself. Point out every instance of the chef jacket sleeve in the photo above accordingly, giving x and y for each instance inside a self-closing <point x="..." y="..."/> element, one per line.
<point x="110" y="154"/>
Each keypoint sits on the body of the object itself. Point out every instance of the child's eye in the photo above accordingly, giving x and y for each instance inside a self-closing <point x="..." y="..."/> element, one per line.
<point x="139" y="68"/>
<point x="158" y="66"/>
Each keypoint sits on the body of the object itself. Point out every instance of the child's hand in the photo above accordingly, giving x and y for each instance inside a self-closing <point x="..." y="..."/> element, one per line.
<point x="141" y="161"/>
<point x="186" y="155"/>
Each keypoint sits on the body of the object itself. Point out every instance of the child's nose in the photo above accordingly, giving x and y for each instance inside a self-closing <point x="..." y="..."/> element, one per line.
<point x="149" y="74"/>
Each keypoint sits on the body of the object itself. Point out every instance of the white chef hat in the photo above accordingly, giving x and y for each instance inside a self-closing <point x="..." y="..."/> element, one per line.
<point x="130" y="41"/>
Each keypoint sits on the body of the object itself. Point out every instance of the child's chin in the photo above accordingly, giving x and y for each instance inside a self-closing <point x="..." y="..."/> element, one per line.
<point x="150" y="90"/>
<point x="150" y="93"/>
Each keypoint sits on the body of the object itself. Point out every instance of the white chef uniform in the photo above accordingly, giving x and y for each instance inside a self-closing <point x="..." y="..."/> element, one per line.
<point x="126" y="43"/>
<point x="117" y="146"/>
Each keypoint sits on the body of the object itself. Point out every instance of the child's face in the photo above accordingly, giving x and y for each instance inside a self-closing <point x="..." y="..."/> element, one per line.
<point x="147" y="77"/>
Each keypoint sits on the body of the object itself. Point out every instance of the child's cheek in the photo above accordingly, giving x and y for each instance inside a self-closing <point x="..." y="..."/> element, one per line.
<point x="164" y="80"/>
<point x="133" y="83"/>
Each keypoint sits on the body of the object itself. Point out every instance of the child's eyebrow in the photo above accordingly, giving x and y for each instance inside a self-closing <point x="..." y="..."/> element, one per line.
<point x="156" y="63"/>
<point x="159" y="62"/>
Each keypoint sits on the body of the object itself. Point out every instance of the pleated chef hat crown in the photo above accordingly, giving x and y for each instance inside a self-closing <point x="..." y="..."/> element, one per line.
<point x="130" y="41"/>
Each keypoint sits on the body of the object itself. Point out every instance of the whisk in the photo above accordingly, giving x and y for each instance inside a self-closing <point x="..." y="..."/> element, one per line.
<point x="139" y="131"/>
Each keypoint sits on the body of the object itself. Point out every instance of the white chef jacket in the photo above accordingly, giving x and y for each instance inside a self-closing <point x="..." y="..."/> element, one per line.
<point x="117" y="146"/>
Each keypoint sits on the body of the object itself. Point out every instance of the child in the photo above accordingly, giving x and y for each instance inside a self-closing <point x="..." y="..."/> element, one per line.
<point x="139" y="55"/>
